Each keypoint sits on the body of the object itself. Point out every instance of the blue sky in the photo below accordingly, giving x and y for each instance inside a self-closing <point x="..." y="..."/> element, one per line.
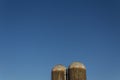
<point x="35" y="35"/>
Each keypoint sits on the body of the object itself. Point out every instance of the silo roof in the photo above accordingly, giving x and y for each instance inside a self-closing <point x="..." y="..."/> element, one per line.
<point x="59" y="67"/>
<point x="77" y="65"/>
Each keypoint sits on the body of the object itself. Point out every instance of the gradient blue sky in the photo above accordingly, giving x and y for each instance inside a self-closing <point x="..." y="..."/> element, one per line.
<point x="37" y="34"/>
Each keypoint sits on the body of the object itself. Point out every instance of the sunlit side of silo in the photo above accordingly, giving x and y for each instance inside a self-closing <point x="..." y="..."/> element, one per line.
<point x="77" y="71"/>
<point x="59" y="72"/>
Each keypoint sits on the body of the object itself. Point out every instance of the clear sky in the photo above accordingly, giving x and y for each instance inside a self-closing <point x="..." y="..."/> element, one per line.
<point x="37" y="34"/>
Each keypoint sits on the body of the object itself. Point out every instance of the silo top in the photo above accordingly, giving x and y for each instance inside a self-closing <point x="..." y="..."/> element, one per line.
<point x="77" y="65"/>
<point x="59" y="67"/>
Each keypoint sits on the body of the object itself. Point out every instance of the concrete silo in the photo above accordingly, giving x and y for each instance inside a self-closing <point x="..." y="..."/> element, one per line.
<point x="59" y="72"/>
<point x="77" y="71"/>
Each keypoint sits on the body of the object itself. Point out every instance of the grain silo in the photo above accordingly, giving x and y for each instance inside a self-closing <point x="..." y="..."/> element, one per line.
<point x="76" y="71"/>
<point x="59" y="72"/>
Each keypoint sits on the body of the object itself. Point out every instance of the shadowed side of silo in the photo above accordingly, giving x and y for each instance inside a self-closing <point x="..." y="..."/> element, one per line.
<point x="58" y="72"/>
<point x="76" y="71"/>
